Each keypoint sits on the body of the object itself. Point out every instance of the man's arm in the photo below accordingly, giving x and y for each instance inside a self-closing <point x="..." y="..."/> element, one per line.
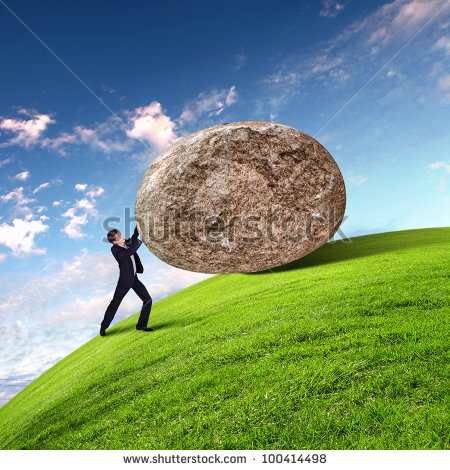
<point x="135" y="235"/>
<point x="122" y="253"/>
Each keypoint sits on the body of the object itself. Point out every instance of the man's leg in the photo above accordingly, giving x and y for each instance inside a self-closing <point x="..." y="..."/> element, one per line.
<point x="119" y="294"/>
<point x="143" y="294"/>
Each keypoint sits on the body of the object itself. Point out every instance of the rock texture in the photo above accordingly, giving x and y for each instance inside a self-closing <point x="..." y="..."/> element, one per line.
<point x="240" y="197"/>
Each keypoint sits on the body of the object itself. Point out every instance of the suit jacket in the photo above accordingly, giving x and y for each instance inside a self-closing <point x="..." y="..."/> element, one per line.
<point x="123" y="257"/>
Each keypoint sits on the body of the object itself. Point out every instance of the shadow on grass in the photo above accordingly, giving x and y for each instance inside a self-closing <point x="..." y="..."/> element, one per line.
<point x="366" y="245"/>
<point x="156" y="326"/>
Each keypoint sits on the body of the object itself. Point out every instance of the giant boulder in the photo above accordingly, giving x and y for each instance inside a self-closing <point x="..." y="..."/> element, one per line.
<point x="240" y="197"/>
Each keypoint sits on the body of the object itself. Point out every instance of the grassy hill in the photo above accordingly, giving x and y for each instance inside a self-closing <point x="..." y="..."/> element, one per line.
<point x="346" y="348"/>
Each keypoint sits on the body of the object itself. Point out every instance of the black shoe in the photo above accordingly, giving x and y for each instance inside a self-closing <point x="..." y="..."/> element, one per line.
<point x="102" y="332"/>
<point x="144" y="329"/>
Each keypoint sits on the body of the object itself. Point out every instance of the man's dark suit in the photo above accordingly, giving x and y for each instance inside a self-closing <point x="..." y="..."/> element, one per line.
<point x="128" y="280"/>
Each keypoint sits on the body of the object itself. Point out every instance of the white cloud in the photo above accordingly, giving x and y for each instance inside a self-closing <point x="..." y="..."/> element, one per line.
<point x="397" y="20"/>
<point x="87" y="205"/>
<point x="92" y="193"/>
<point x="231" y="96"/>
<point x="436" y="165"/>
<point x="332" y="7"/>
<point x="5" y="161"/>
<point x="20" y="200"/>
<point x="79" y="214"/>
<point x="339" y="75"/>
<point x="88" y="308"/>
<point x="331" y="62"/>
<point x="2" y="257"/>
<point x="96" y="138"/>
<point x="443" y="84"/>
<point x="28" y="132"/>
<point x="19" y="237"/>
<point x="443" y="43"/>
<point x="87" y="275"/>
<point x="22" y="176"/>
<point x="150" y="124"/>
<point x="58" y="142"/>
<point x="282" y="78"/>
<point x="442" y="183"/>
<point x="42" y="359"/>
<point x="395" y="74"/>
<point x="172" y="279"/>
<point x="414" y="13"/>
<point x="93" y="138"/>
<point x="95" y="192"/>
<point x="324" y="63"/>
<point x="240" y="59"/>
<point x="41" y="186"/>
<point x="357" y="180"/>
<point x="74" y="224"/>
<point x="288" y="80"/>
<point x="107" y="88"/>
<point x="36" y="351"/>
<point x="41" y="209"/>
<point x="282" y="86"/>
<point x="212" y="102"/>
<point x="57" y="203"/>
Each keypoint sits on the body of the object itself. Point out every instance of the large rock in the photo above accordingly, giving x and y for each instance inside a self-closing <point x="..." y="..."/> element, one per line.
<point x="240" y="197"/>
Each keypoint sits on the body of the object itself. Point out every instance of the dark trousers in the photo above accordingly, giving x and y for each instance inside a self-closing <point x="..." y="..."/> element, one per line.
<point x="119" y="294"/>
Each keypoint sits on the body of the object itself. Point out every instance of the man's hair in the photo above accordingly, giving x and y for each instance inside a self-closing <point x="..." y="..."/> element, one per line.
<point x="112" y="235"/>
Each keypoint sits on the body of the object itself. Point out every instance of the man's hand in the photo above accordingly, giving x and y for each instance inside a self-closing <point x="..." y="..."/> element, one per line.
<point x="138" y="228"/>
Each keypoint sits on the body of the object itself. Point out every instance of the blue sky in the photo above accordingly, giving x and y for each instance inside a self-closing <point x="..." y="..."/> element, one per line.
<point x="92" y="92"/>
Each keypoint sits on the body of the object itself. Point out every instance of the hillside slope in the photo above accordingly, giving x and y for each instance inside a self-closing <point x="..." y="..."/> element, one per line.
<point x="346" y="348"/>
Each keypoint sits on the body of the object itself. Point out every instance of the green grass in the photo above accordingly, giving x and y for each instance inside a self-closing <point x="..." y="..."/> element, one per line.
<point x="346" y="348"/>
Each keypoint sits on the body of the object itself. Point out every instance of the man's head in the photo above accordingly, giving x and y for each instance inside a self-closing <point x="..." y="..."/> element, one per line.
<point x="115" y="237"/>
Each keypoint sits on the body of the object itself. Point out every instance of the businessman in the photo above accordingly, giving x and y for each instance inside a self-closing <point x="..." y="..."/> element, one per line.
<point x="129" y="264"/>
